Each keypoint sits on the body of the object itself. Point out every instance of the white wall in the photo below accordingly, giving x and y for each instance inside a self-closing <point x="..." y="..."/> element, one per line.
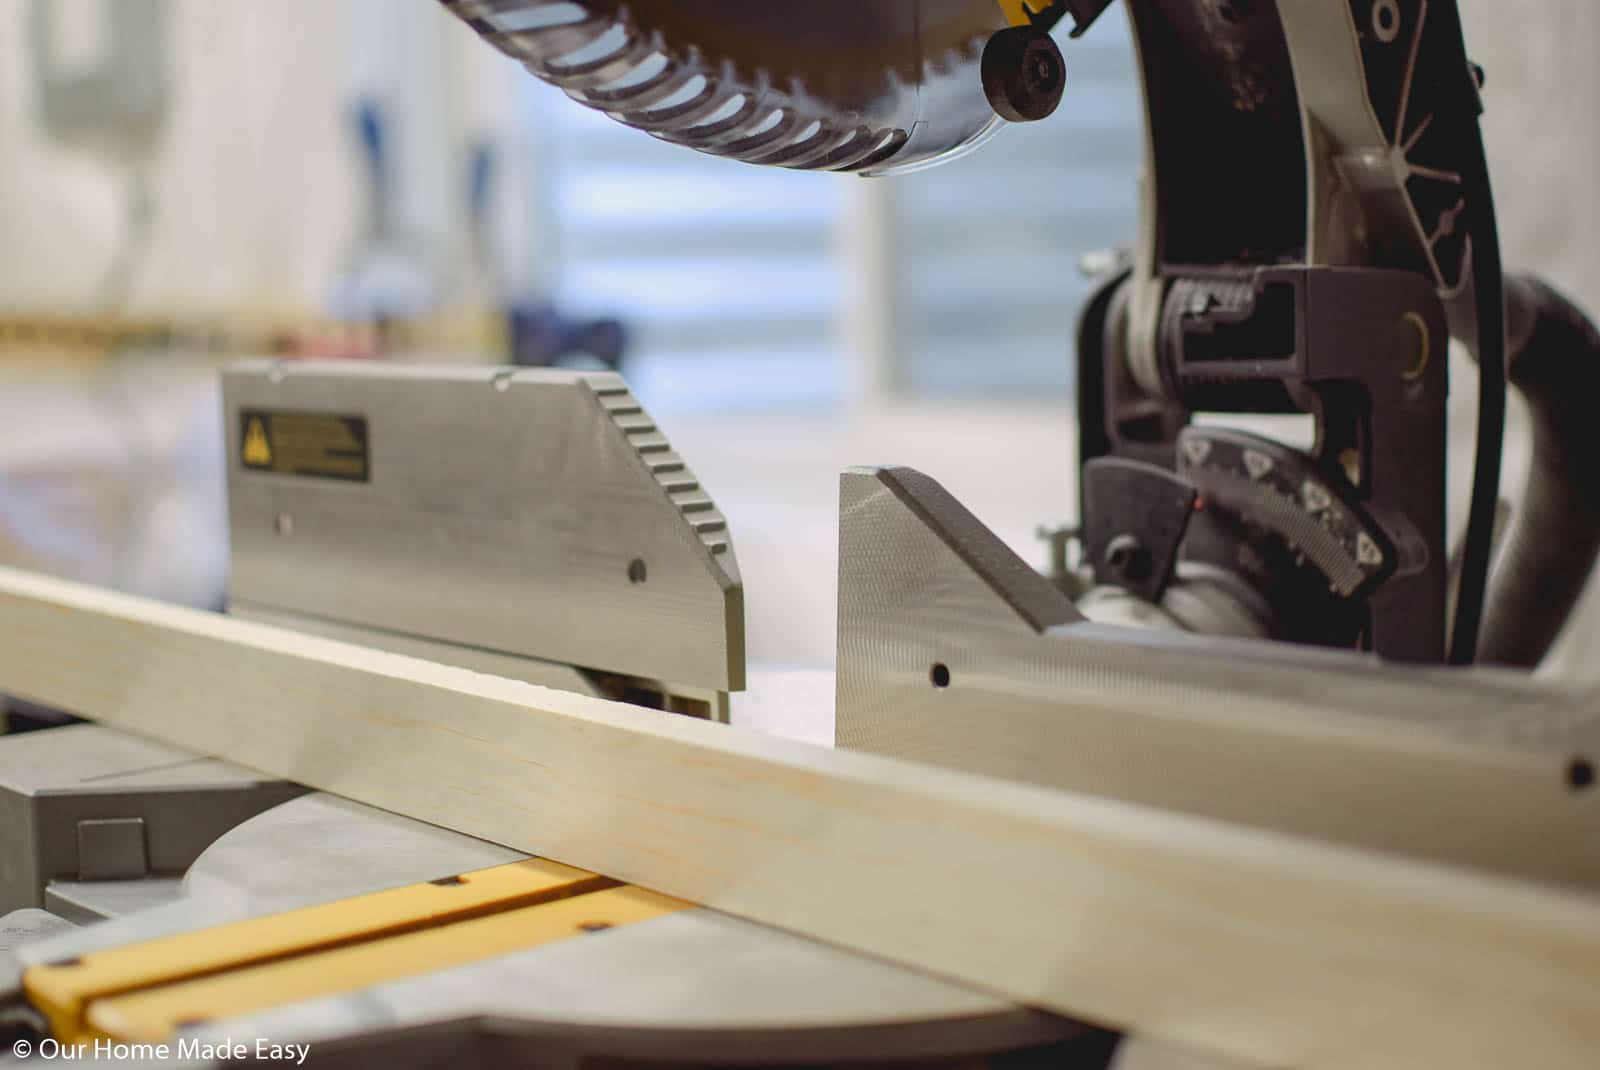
<point x="257" y="182"/>
<point x="1543" y="128"/>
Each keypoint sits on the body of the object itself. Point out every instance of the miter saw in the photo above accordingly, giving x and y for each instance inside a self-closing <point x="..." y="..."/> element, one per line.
<point x="1317" y="228"/>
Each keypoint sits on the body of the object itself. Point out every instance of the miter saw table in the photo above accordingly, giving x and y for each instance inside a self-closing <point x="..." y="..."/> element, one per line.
<point x="683" y="986"/>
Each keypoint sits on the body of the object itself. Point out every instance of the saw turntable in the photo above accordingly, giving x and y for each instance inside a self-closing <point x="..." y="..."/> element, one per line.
<point x="1258" y="775"/>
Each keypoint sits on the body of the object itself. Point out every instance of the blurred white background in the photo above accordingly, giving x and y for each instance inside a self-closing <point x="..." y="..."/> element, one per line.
<point x="782" y="325"/>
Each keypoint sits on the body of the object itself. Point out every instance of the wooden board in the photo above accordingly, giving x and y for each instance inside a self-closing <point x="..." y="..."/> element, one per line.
<point x="1243" y="943"/>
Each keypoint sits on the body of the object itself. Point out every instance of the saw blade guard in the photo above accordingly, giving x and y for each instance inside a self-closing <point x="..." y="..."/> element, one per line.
<point x="867" y="86"/>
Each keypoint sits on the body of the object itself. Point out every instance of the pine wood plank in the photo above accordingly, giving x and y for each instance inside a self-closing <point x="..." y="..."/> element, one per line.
<point x="1239" y="942"/>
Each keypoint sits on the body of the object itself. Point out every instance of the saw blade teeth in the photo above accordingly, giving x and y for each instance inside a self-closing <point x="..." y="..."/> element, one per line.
<point x="605" y="60"/>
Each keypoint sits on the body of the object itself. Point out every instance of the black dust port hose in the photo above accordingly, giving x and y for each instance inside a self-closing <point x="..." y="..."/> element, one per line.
<point x="1555" y="365"/>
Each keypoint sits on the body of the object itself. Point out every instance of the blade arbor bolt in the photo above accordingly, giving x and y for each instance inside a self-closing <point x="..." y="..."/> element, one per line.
<point x="1024" y="73"/>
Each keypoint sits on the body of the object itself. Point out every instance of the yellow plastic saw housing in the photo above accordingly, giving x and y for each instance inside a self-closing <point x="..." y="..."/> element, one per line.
<point x="838" y="85"/>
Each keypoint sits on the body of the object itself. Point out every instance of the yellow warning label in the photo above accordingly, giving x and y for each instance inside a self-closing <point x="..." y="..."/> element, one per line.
<point x="257" y="451"/>
<point x="325" y="445"/>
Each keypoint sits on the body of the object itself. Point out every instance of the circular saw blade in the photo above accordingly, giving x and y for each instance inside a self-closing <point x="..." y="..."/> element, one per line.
<point x="844" y="85"/>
